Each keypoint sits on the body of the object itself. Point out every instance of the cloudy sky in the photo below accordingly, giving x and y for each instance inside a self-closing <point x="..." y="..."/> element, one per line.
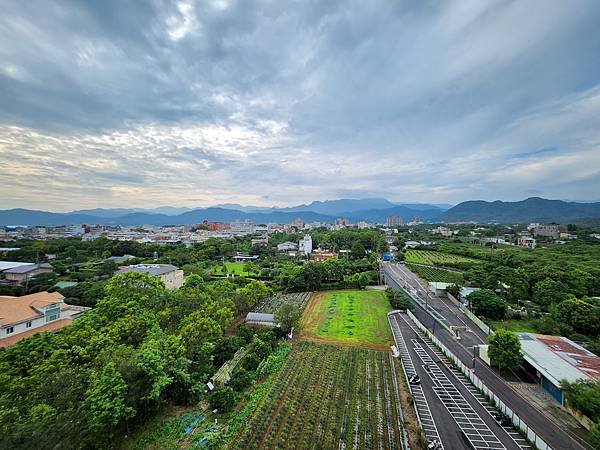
<point x="192" y="103"/>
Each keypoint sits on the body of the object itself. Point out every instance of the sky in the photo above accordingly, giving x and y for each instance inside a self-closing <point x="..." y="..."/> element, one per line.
<point x="196" y="103"/>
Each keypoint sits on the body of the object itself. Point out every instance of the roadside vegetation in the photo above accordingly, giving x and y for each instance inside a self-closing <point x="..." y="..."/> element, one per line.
<point x="547" y="290"/>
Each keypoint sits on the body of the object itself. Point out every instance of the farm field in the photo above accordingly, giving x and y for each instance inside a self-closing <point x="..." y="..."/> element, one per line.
<point x="430" y="273"/>
<point x="270" y="304"/>
<point x="328" y="397"/>
<point x="350" y="317"/>
<point x="232" y="267"/>
<point x="432" y="258"/>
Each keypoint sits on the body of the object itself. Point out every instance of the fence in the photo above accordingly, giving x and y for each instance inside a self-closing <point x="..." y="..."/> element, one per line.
<point x="474" y="379"/>
<point x="476" y="320"/>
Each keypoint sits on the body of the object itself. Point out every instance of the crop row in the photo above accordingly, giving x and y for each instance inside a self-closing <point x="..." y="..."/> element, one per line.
<point x="429" y="273"/>
<point x="328" y="397"/>
<point x="270" y="304"/>
<point x="438" y="259"/>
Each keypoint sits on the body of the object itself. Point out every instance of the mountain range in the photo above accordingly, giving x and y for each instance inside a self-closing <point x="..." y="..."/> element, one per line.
<point x="533" y="209"/>
<point x="373" y="210"/>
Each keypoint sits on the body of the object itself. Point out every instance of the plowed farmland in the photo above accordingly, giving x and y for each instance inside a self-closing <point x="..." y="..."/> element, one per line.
<point x="328" y="397"/>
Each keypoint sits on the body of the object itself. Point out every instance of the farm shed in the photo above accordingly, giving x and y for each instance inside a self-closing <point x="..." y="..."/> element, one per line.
<point x="260" y="319"/>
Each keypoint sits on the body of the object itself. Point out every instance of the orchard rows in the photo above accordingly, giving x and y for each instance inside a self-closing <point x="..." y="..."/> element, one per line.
<point x="328" y="397"/>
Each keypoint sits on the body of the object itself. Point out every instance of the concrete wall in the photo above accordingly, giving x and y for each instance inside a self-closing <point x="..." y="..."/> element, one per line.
<point x="173" y="279"/>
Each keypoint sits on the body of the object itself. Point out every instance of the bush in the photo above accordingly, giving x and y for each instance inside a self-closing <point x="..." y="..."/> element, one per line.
<point x="222" y="399"/>
<point x="240" y="380"/>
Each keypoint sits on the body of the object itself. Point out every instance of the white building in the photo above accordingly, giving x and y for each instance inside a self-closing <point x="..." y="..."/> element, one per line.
<point x="240" y="227"/>
<point x="170" y="275"/>
<point x="526" y="241"/>
<point x="305" y="245"/>
<point x="287" y="246"/>
<point x="21" y="317"/>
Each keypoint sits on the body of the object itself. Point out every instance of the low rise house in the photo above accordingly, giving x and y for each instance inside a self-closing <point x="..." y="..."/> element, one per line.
<point x="321" y="255"/>
<point x="526" y="241"/>
<point x="287" y="246"/>
<point x="21" y="317"/>
<point x="242" y="258"/>
<point x="170" y="275"/>
<point x="22" y="273"/>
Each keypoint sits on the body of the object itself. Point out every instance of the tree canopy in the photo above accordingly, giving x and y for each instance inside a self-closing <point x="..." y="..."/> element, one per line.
<point x="505" y="349"/>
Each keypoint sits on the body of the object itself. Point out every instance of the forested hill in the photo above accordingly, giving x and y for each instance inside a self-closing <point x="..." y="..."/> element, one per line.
<point x="533" y="209"/>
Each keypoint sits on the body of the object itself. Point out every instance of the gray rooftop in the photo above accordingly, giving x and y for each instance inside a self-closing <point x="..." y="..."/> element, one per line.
<point x="151" y="269"/>
<point x="260" y="317"/>
<point x="558" y="358"/>
<point x="28" y="268"/>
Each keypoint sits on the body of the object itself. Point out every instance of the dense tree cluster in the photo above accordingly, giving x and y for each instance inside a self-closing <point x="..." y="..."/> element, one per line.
<point x="584" y="396"/>
<point x="398" y="299"/>
<point x="486" y="303"/>
<point x="141" y="346"/>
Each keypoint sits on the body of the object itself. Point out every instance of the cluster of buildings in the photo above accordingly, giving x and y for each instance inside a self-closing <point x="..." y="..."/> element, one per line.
<point x="170" y="235"/>
<point x="15" y="273"/>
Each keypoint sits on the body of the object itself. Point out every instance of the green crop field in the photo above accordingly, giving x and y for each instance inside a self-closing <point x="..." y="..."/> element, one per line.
<point x="348" y="317"/>
<point x="328" y="397"/>
<point x="430" y="273"/>
<point x="232" y="267"/>
<point x="432" y="258"/>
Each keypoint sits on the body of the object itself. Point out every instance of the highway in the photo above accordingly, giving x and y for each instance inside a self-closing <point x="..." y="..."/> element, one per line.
<point x="396" y="276"/>
<point x="450" y="409"/>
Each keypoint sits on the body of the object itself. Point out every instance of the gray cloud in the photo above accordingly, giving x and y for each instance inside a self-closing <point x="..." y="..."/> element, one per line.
<point x="200" y="102"/>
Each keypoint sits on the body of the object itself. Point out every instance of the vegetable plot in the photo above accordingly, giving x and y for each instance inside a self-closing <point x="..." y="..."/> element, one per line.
<point x="429" y="273"/>
<point x="328" y="397"/>
<point x="270" y="304"/>
<point x="432" y="258"/>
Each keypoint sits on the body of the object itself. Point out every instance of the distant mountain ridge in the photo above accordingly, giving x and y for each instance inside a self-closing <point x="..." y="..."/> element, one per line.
<point x="533" y="209"/>
<point x="369" y="210"/>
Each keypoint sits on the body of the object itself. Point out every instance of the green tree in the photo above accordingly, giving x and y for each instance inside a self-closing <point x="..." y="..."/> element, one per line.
<point x="583" y="315"/>
<point x="548" y="292"/>
<point x="454" y="289"/>
<point x="222" y="398"/>
<point x="357" y="251"/>
<point x="241" y="379"/>
<point x="197" y="329"/>
<point x="106" y="399"/>
<point x="193" y="281"/>
<point x="108" y="267"/>
<point x="487" y="304"/>
<point x="288" y="316"/>
<point x="505" y="349"/>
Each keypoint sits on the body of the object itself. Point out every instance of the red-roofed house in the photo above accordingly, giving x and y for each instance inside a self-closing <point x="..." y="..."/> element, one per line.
<point x="21" y="317"/>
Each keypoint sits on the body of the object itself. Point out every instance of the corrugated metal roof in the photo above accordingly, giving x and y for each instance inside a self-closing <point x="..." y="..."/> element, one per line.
<point x="563" y="361"/>
<point x="260" y="317"/>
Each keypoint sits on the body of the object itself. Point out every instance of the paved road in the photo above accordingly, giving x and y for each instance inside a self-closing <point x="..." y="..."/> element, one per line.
<point x="543" y="424"/>
<point x="462" y="420"/>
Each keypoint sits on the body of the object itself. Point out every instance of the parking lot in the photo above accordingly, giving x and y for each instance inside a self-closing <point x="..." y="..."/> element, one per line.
<point x="455" y="412"/>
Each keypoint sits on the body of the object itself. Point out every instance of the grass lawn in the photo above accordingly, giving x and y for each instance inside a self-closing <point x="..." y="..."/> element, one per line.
<point x="349" y="317"/>
<point x="515" y="325"/>
<point x="232" y="267"/>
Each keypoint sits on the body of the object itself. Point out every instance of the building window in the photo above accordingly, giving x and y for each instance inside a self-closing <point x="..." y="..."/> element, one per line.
<point x="51" y="317"/>
<point x="28" y="324"/>
<point x="10" y="330"/>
